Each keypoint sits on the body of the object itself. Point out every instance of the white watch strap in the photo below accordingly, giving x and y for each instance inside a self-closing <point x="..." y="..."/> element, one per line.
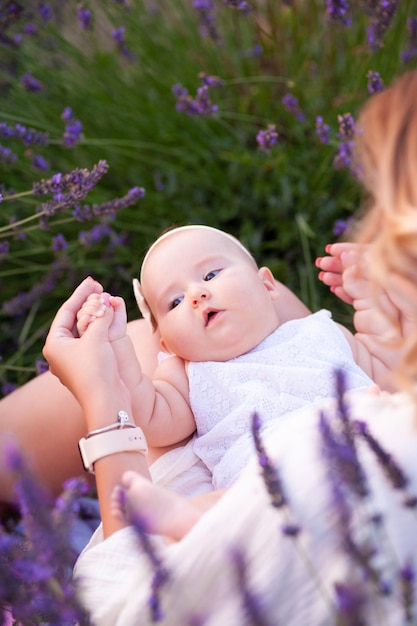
<point x="112" y="442"/>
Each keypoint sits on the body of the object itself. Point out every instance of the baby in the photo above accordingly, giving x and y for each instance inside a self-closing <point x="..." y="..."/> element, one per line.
<point x="225" y="353"/>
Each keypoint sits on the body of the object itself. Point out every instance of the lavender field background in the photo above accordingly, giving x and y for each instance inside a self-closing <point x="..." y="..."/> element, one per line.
<point x="118" y="119"/>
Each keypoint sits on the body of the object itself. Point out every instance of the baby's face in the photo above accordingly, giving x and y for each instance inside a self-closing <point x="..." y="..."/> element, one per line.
<point x="208" y="297"/>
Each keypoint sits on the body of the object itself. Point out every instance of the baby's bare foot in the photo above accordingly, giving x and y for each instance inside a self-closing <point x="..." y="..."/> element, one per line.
<point x="164" y="512"/>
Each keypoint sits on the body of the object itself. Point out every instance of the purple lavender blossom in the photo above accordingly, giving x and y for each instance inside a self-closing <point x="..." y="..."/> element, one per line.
<point x="161" y="575"/>
<point x="201" y="104"/>
<point x="30" y="29"/>
<point x="269" y="471"/>
<point x="85" y="17"/>
<point x="41" y="366"/>
<point x="78" y="182"/>
<point x="252" y="606"/>
<point x="340" y="226"/>
<point x="27" y="135"/>
<point x="375" y="83"/>
<point x="322" y="130"/>
<point x="338" y="12"/>
<point x="346" y="126"/>
<point x="267" y="138"/>
<point x="239" y="5"/>
<point x="207" y="26"/>
<point x="290" y="102"/>
<point x="84" y="213"/>
<point x="391" y="468"/>
<point x="45" y="12"/>
<point x="94" y="235"/>
<point x="407" y="577"/>
<point x="59" y="243"/>
<point x="350" y="604"/>
<point x="38" y="162"/>
<point x="7" y="156"/>
<point x="119" y="36"/>
<point x="410" y="50"/>
<point x="344" y="155"/>
<point x="30" y="83"/>
<point x="73" y="128"/>
<point x="346" y="133"/>
<point x="18" y="305"/>
<point x="382" y="13"/>
<point x="4" y="249"/>
<point x="35" y="565"/>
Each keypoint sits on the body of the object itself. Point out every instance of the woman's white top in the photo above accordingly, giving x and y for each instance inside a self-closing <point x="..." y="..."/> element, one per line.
<point x="292" y="580"/>
<point x="294" y="366"/>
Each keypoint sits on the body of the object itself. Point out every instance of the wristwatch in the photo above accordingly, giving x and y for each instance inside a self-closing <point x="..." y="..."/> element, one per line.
<point x="106" y="443"/>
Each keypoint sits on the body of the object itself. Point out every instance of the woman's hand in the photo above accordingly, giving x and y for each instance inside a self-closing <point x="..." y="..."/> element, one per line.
<point x="86" y="365"/>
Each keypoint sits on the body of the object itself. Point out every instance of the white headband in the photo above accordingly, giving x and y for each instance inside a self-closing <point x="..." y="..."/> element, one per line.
<point x="137" y="289"/>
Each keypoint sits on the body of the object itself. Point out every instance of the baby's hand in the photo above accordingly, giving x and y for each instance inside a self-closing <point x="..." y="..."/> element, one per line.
<point x="94" y="307"/>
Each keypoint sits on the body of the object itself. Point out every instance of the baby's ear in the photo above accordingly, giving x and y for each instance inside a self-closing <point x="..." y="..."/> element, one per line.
<point x="269" y="281"/>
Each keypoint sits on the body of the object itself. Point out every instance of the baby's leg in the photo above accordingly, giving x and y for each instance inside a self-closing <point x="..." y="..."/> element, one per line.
<point x="164" y="512"/>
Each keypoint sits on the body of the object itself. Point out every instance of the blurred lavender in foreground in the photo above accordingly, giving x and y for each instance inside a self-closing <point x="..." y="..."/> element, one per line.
<point x="36" y="559"/>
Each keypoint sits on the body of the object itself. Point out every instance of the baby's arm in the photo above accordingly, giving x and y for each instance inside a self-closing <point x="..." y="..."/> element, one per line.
<point x="160" y="406"/>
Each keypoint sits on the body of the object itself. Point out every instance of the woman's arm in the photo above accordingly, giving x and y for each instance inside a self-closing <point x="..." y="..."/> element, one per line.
<point x="47" y="421"/>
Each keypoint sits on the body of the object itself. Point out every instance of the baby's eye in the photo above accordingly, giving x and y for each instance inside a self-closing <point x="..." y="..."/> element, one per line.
<point x="211" y="275"/>
<point x="175" y="302"/>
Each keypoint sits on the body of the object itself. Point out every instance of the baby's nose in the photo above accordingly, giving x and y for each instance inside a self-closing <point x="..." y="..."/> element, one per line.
<point x="197" y="294"/>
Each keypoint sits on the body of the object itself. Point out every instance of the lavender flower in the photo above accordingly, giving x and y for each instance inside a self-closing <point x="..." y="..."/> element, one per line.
<point x="38" y="162"/>
<point x="85" y="17"/>
<point x="251" y="603"/>
<point x="59" y="243"/>
<point x="161" y="574"/>
<point x="322" y="130"/>
<point x="81" y="180"/>
<point x="7" y="156"/>
<point x="338" y="12"/>
<point x="4" y="249"/>
<point x="201" y="104"/>
<point x="382" y="13"/>
<point x="18" y="305"/>
<point x="391" y="468"/>
<point x="290" y="102"/>
<point x="410" y="50"/>
<point x="95" y="235"/>
<point x="27" y="135"/>
<point x="239" y="5"/>
<point x="340" y="226"/>
<point x="73" y="128"/>
<point x="407" y="578"/>
<point x="269" y="471"/>
<point x="375" y="83"/>
<point x="205" y="11"/>
<point x="267" y="138"/>
<point x="350" y="604"/>
<point x="30" y="29"/>
<point x="41" y="366"/>
<point x="346" y="126"/>
<point x="35" y="567"/>
<point x="119" y="35"/>
<point x="45" y="12"/>
<point x="346" y="133"/>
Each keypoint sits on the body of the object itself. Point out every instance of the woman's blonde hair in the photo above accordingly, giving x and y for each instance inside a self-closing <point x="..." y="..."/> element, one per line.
<point x="386" y="160"/>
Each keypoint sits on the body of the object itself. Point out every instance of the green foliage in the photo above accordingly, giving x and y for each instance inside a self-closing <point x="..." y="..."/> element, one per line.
<point x="195" y="169"/>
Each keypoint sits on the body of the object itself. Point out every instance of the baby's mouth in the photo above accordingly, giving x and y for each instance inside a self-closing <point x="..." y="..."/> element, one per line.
<point x="210" y="315"/>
